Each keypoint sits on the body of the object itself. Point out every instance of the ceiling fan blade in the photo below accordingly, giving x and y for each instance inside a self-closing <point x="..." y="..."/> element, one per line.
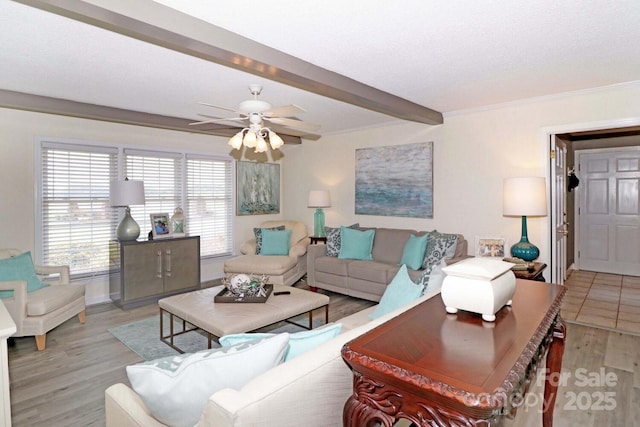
<point x="293" y="123"/>
<point x="214" y="120"/>
<point x="222" y="108"/>
<point x="284" y="111"/>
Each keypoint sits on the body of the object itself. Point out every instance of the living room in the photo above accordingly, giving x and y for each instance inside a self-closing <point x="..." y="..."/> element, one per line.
<point x="474" y="150"/>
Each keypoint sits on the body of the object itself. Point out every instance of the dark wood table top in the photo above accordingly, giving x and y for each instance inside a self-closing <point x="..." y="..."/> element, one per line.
<point x="460" y="356"/>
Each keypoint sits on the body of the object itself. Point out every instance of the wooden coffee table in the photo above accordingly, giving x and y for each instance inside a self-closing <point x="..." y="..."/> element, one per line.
<point x="439" y="369"/>
<point x="197" y="308"/>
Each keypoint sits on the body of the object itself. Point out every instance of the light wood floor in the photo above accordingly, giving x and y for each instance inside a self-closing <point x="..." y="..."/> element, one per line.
<point x="64" y="385"/>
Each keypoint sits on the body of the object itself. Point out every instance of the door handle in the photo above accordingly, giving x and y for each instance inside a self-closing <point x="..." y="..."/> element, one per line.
<point x="159" y="264"/>
<point x="168" y="269"/>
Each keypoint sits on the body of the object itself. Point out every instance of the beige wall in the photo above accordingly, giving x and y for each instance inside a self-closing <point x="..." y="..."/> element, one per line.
<point x="473" y="152"/>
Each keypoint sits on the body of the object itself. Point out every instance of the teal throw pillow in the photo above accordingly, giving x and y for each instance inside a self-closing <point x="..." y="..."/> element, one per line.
<point x="257" y="232"/>
<point x="333" y="239"/>
<point x="356" y="244"/>
<point x="20" y="268"/>
<point x="299" y="342"/>
<point x="401" y="291"/>
<point x="413" y="252"/>
<point x="275" y="242"/>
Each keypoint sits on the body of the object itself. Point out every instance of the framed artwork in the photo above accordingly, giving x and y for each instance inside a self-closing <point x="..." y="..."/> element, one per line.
<point x="395" y="180"/>
<point x="495" y="247"/>
<point x="160" y="225"/>
<point x="257" y="188"/>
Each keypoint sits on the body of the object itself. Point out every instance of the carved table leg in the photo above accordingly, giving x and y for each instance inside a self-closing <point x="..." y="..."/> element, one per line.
<point x="369" y="405"/>
<point x="554" y="365"/>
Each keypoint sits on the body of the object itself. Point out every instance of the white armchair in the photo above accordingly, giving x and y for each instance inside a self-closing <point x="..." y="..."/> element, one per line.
<point x="36" y="313"/>
<point x="281" y="269"/>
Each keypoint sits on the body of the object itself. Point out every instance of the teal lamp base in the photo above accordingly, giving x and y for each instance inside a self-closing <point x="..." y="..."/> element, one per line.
<point x="523" y="249"/>
<point x="318" y="223"/>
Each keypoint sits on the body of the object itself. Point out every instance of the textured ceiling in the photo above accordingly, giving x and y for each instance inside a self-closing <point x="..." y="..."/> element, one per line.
<point x="445" y="55"/>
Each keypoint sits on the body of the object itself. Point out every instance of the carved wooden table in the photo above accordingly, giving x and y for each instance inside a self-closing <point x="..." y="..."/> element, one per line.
<point x="441" y="369"/>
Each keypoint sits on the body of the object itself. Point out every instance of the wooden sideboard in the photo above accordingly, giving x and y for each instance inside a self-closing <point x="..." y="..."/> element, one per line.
<point x="439" y="369"/>
<point x="147" y="270"/>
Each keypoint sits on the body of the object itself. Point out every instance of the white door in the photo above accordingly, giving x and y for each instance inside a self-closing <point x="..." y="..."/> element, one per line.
<point x="559" y="210"/>
<point x="609" y="209"/>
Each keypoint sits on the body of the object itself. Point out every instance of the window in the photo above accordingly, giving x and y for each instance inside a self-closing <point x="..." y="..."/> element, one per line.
<point x="77" y="222"/>
<point x="74" y="216"/>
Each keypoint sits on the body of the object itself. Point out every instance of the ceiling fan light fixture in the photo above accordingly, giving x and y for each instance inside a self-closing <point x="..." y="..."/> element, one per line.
<point x="275" y="141"/>
<point x="250" y="139"/>
<point x="236" y="140"/>
<point x="261" y="145"/>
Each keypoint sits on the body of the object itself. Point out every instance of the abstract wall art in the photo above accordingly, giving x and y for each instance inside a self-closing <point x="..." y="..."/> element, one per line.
<point x="395" y="180"/>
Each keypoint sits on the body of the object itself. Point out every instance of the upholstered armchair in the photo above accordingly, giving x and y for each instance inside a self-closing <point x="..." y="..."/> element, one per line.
<point x="285" y="269"/>
<point x="37" y="312"/>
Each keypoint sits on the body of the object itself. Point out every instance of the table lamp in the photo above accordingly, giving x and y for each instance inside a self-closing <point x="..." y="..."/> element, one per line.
<point x="319" y="199"/>
<point x="124" y="194"/>
<point x="524" y="196"/>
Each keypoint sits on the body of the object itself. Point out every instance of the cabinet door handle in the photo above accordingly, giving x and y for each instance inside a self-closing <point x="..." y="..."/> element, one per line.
<point x="159" y="264"/>
<point x="168" y="269"/>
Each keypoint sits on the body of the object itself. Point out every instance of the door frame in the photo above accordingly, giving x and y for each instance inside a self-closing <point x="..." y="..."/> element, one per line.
<point x="547" y="134"/>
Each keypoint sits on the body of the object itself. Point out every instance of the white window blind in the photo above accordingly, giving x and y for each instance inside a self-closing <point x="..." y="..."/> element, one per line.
<point x="209" y="205"/>
<point x="163" y="182"/>
<point x="75" y="222"/>
<point x="75" y="219"/>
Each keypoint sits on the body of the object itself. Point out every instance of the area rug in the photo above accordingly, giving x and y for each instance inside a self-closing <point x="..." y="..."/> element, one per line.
<point x="143" y="336"/>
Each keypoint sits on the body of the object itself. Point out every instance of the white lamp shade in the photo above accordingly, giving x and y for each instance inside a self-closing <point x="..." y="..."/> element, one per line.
<point x="319" y="199"/>
<point x="524" y="196"/>
<point x="126" y="193"/>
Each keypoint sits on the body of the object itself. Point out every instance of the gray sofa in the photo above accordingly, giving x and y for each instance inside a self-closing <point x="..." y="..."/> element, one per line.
<point x="367" y="279"/>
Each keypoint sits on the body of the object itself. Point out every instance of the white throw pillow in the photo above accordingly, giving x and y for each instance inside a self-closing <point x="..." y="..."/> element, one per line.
<point x="176" y="388"/>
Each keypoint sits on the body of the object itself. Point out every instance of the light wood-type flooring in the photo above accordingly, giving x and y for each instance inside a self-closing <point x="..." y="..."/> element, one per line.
<point x="64" y="385"/>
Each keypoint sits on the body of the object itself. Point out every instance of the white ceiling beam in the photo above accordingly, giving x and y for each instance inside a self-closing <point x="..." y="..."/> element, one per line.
<point x="155" y="23"/>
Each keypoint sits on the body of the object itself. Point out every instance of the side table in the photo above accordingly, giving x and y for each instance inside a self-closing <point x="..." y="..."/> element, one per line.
<point x="534" y="273"/>
<point x="316" y="239"/>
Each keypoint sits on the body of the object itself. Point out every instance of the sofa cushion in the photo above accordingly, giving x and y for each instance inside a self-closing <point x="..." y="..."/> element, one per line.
<point x="299" y="342"/>
<point x="356" y="244"/>
<point x="51" y="298"/>
<point x="389" y="244"/>
<point x="275" y="242"/>
<point x="176" y="388"/>
<point x="439" y="246"/>
<point x="298" y="229"/>
<point x="402" y="290"/>
<point x="413" y="252"/>
<point x="331" y="265"/>
<point x="372" y="271"/>
<point x="275" y="265"/>
<point x="258" y="233"/>
<point x="334" y="240"/>
<point x="20" y="267"/>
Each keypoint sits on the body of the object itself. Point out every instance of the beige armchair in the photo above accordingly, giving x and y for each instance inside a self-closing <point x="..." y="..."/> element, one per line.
<point x="281" y="269"/>
<point x="36" y="313"/>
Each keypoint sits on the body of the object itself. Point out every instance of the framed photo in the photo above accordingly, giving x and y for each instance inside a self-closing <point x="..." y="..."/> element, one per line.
<point x="495" y="247"/>
<point x="160" y="225"/>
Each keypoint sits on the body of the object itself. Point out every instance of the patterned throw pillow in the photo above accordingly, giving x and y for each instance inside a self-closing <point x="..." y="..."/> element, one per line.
<point x="258" y="234"/>
<point x="439" y="246"/>
<point x="334" y="240"/>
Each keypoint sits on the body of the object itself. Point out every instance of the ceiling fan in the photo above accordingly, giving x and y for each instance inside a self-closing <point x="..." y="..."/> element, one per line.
<point x="256" y="111"/>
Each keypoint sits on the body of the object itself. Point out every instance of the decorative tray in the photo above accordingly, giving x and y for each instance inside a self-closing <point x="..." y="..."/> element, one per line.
<point x="225" y="295"/>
